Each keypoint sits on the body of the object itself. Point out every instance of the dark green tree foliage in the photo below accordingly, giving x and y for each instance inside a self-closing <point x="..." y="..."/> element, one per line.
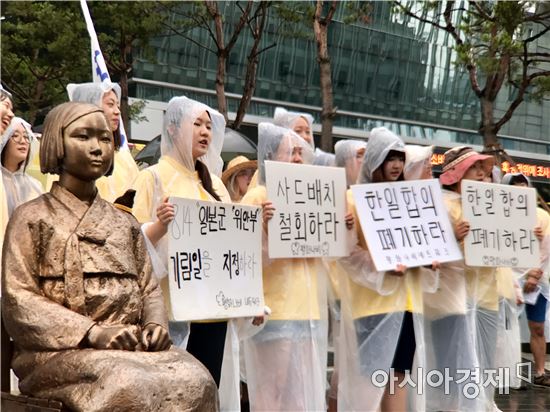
<point x="44" y="46"/>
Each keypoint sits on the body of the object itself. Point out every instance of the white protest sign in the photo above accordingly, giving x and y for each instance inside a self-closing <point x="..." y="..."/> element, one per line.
<point x="405" y="223"/>
<point x="310" y="210"/>
<point x="502" y="221"/>
<point x="214" y="260"/>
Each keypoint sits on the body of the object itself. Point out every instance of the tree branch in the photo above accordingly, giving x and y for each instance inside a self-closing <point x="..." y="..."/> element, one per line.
<point x="482" y="12"/>
<point x="212" y="9"/>
<point x="238" y="28"/>
<point x="409" y="13"/>
<point x="539" y="34"/>
<point x="186" y="37"/>
<point x="265" y="49"/>
<point x="330" y="13"/>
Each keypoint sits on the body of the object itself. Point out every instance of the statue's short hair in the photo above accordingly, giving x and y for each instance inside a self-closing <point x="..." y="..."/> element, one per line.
<point x="52" y="151"/>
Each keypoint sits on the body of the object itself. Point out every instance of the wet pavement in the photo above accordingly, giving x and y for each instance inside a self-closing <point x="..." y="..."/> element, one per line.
<point x="528" y="398"/>
<point x="525" y="400"/>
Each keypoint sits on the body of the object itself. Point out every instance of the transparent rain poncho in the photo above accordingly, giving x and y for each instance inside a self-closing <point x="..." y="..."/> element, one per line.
<point x="287" y="119"/>
<point x="461" y="323"/>
<point x="345" y="152"/>
<point x="346" y="156"/>
<point x="125" y="169"/>
<point x="175" y="174"/>
<point x="376" y="306"/>
<point x="508" y="340"/>
<point x="286" y="361"/>
<point x="91" y="92"/>
<point x="19" y="187"/>
<point x="417" y="161"/>
<point x="323" y="158"/>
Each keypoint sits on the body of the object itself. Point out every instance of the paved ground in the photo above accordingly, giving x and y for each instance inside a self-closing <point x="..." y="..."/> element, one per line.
<point x="528" y="398"/>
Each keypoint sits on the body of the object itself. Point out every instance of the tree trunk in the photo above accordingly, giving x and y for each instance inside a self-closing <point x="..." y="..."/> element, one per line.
<point x="223" y="54"/>
<point x="488" y="126"/>
<point x="124" y="109"/>
<point x="248" y="91"/>
<point x="220" y="83"/>
<point x="34" y="102"/>
<point x="320" y="28"/>
<point x="251" y="67"/>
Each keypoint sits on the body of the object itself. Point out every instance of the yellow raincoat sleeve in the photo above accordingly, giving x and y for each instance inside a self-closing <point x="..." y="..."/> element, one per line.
<point x="143" y="201"/>
<point x="3" y="218"/>
<point x="125" y="171"/>
<point x="290" y="285"/>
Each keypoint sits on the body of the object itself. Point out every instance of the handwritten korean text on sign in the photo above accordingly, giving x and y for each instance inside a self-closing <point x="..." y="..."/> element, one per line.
<point x="310" y="208"/>
<point x="215" y="260"/>
<point x="502" y="220"/>
<point x="405" y="223"/>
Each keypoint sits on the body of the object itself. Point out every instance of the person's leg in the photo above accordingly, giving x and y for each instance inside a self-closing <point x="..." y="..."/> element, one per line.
<point x="536" y="315"/>
<point x="206" y="343"/>
<point x="396" y="401"/>
<point x="538" y="345"/>
<point x="402" y="362"/>
<point x="268" y="363"/>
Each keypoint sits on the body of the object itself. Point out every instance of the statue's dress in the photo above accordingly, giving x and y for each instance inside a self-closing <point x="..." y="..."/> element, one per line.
<point x="67" y="266"/>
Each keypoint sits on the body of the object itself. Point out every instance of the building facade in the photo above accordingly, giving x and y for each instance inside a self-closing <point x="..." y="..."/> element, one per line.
<point x="390" y="71"/>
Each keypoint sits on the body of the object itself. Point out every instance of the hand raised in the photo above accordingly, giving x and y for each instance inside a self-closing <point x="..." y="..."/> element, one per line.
<point x="165" y="212"/>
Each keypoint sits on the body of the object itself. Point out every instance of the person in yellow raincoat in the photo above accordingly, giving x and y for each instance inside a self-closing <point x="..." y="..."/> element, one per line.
<point x="464" y="311"/>
<point x="237" y="176"/>
<point x="530" y="279"/>
<point x="349" y="155"/>
<point x="6" y="115"/>
<point x="15" y="147"/>
<point x="381" y="331"/>
<point x="192" y="138"/>
<point x="286" y="360"/>
<point x="298" y="122"/>
<point x="107" y="96"/>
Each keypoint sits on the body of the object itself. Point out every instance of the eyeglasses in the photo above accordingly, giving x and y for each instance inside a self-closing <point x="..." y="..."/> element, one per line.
<point x="21" y="138"/>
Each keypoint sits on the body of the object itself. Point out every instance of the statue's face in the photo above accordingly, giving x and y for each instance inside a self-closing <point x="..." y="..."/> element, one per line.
<point x="89" y="147"/>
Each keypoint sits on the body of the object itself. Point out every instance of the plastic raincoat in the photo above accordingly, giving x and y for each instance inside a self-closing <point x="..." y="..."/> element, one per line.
<point x="287" y="119"/>
<point x="375" y="306"/>
<point x="19" y="187"/>
<point x="417" y="162"/>
<point x="508" y="347"/>
<point x="175" y="175"/>
<point x="125" y="169"/>
<point x="346" y="155"/>
<point x="286" y="360"/>
<point x="345" y="152"/>
<point x="462" y="321"/>
<point x="323" y="158"/>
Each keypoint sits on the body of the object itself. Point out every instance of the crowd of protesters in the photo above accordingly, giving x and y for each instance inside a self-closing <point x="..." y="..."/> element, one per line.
<point x="448" y="317"/>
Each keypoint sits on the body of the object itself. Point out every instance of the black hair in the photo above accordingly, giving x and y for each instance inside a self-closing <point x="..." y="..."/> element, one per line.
<point x="378" y="174"/>
<point x="204" y="176"/>
<point x="516" y="179"/>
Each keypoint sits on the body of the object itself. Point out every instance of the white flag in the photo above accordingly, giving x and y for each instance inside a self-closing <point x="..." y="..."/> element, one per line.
<point x="99" y="68"/>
